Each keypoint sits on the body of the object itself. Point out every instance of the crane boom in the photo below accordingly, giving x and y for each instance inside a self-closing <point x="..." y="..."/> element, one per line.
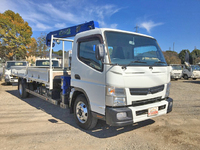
<point x="71" y="31"/>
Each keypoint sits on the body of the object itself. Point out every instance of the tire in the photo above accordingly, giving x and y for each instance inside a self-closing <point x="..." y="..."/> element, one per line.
<point x="82" y="113"/>
<point x="185" y="76"/>
<point x="7" y="83"/>
<point x="22" y="89"/>
<point x="194" y="78"/>
<point x="176" y="79"/>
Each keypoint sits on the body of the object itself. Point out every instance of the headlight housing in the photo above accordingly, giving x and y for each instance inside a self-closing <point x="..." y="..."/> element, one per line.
<point x="6" y="76"/>
<point x="118" y="95"/>
<point x="168" y="89"/>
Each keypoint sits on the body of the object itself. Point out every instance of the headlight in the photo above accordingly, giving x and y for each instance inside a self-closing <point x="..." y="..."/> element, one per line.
<point x="118" y="95"/>
<point x="168" y="89"/>
<point x="6" y="77"/>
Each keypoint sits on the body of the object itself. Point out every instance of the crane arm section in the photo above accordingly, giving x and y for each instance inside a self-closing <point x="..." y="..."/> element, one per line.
<point x="71" y="31"/>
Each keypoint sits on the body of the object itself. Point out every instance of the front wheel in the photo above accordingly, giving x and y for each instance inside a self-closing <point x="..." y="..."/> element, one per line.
<point x="82" y="113"/>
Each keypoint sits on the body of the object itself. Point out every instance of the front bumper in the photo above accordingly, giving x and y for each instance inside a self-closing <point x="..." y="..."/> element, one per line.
<point x="137" y="113"/>
<point x="195" y="76"/>
<point x="176" y="76"/>
<point x="11" y="80"/>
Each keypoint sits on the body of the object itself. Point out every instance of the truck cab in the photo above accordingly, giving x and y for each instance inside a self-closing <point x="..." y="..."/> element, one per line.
<point x="128" y="84"/>
<point x="195" y="72"/>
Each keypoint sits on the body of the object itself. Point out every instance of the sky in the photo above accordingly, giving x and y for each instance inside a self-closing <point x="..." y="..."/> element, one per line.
<point x="174" y="23"/>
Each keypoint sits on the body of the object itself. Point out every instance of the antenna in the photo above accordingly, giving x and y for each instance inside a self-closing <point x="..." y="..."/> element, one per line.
<point x="136" y="28"/>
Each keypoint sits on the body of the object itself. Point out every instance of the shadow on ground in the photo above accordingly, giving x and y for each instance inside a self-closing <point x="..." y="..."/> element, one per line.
<point x="9" y="84"/>
<point x="102" y="130"/>
<point x="193" y="81"/>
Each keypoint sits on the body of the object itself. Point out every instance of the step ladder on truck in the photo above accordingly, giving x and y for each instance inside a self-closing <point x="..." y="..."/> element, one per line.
<point x="117" y="76"/>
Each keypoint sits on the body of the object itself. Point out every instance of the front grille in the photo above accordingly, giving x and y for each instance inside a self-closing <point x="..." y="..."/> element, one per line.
<point x="177" y="74"/>
<point x="145" y="91"/>
<point x="146" y="101"/>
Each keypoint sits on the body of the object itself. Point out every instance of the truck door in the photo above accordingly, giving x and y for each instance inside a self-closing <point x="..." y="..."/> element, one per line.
<point x="88" y="73"/>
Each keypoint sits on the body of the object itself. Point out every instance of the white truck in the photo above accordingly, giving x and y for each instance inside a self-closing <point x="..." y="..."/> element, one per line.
<point x="195" y="72"/>
<point x="117" y="76"/>
<point x="13" y="69"/>
<point x="191" y="71"/>
<point x="176" y="72"/>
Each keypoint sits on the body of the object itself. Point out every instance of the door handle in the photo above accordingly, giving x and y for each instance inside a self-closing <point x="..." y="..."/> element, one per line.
<point x="77" y="77"/>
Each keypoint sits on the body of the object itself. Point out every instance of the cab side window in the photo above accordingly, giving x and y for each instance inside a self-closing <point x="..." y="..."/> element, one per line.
<point x="86" y="54"/>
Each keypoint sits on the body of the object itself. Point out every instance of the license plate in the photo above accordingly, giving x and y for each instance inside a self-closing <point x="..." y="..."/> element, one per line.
<point x="152" y="111"/>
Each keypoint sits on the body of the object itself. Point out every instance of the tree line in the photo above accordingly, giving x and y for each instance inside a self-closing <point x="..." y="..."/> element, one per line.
<point x="173" y="57"/>
<point x="15" y="38"/>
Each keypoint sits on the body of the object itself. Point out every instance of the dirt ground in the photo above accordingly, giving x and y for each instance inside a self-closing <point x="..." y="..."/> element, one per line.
<point x="33" y="123"/>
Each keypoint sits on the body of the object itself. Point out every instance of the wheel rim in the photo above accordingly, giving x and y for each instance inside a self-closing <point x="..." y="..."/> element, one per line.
<point x="81" y="112"/>
<point x="20" y="89"/>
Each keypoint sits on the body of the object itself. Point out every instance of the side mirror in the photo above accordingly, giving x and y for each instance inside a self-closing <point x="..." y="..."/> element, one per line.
<point x="99" y="51"/>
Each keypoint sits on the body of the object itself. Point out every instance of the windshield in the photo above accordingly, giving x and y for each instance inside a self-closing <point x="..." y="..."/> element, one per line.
<point x="195" y="67"/>
<point x="9" y="64"/>
<point x="133" y="50"/>
<point x="46" y="63"/>
<point x="176" y="67"/>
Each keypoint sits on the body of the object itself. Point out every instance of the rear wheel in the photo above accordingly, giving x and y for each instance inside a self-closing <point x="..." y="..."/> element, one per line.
<point x="22" y="89"/>
<point x="82" y="113"/>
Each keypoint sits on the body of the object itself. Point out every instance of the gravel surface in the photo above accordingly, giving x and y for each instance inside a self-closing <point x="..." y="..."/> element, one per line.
<point x="33" y="123"/>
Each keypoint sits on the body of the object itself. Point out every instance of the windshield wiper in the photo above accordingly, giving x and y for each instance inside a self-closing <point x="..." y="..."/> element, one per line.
<point x="159" y="62"/>
<point x="111" y="64"/>
<point x="136" y="61"/>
